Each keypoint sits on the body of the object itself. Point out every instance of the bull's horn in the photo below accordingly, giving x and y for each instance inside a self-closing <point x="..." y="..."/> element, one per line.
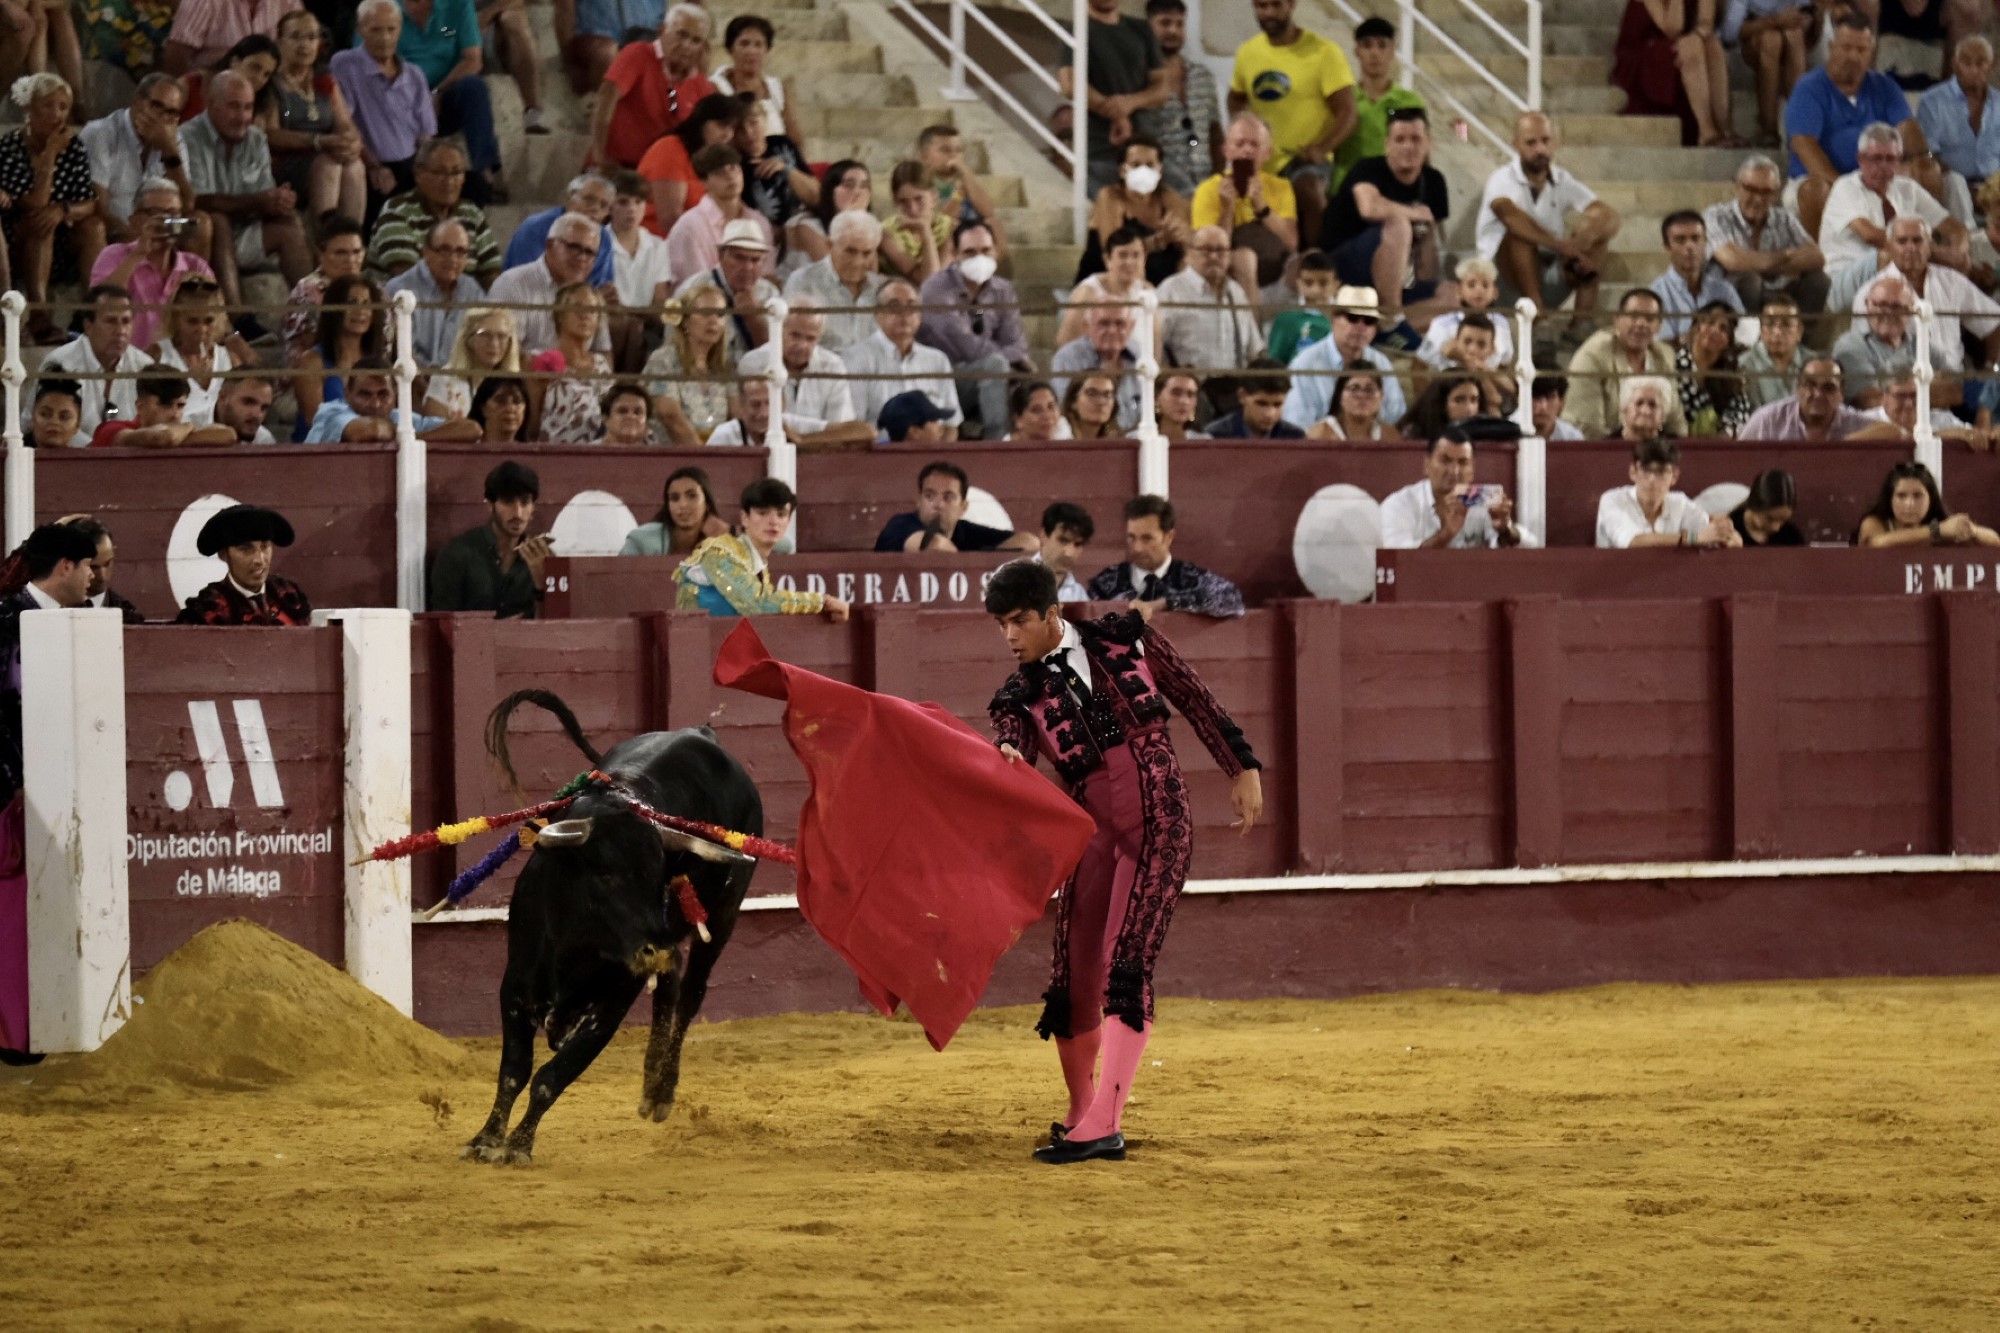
<point x="702" y="847"/>
<point x="567" y="832"/>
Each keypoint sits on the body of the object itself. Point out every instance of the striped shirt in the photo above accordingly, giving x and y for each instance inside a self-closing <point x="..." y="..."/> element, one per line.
<point x="399" y="237"/>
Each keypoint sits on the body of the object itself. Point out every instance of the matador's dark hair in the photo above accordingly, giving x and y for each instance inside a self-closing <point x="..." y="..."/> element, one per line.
<point x="1021" y="585"/>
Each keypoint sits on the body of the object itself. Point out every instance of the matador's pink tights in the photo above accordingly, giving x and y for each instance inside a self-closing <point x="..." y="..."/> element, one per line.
<point x="1123" y="1049"/>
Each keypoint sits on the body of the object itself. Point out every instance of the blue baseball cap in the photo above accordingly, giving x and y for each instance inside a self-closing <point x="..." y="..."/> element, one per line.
<point x="905" y="412"/>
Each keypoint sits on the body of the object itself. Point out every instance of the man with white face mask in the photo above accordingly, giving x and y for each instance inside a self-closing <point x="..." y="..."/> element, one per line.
<point x="1139" y="199"/>
<point x="980" y="331"/>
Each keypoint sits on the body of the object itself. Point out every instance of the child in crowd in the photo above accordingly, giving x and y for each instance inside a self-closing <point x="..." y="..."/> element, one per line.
<point x="918" y="233"/>
<point x="1474" y="349"/>
<point x="1260" y="406"/>
<point x="1478" y="287"/>
<point x="1306" y="323"/>
<point x="960" y="195"/>
<point x="639" y="266"/>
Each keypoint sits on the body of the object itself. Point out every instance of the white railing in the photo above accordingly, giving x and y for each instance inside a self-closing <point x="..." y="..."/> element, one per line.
<point x="1432" y="87"/>
<point x="1075" y="40"/>
<point x="412" y="462"/>
<point x="20" y="474"/>
<point x="1930" y="449"/>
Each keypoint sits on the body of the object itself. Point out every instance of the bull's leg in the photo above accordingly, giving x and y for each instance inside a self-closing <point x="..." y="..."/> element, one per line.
<point x="664" y="1038"/>
<point x="517" y="1060"/>
<point x="663" y="1074"/>
<point x="596" y="1025"/>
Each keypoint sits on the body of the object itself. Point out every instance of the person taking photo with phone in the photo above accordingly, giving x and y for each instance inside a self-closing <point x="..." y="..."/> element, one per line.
<point x="1447" y="508"/>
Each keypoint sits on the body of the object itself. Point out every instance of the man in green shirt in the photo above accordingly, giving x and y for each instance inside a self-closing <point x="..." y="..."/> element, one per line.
<point x="496" y="566"/>
<point x="1376" y="94"/>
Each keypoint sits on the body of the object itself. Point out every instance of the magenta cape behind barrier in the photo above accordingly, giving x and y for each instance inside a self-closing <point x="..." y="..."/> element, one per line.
<point x="923" y="854"/>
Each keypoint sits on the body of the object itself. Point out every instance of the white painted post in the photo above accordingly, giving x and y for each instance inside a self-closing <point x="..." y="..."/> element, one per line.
<point x="375" y="805"/>
<point x="1406" y="39"/>
<point x="781" y="456"/>
<point x="957" y="90"/>
<point x="1534" y="88"/>
<point x="1524" y="366"/>
<point x="1531" y="485"/>
<point x="1079" y="134"/>
<point x="1929" y="448"/>
<point x="412" y="463"/>
<point x="1153" y="446"/>
<point x="79" y="901"/>
<point x="20" y="514"/>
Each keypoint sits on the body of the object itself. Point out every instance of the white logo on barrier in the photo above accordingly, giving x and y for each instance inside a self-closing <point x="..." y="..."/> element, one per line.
<point x="212" y="747"/>
<point x="984" y="508"/>
<point x="188" y="570"/>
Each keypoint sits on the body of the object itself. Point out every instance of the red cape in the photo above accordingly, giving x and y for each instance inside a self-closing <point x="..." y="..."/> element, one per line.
<point x="923" y="854"/>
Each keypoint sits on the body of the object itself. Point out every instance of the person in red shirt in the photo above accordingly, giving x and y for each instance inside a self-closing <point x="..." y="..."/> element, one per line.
<point x="651" y="88"/>
<point x="162" y="398"/>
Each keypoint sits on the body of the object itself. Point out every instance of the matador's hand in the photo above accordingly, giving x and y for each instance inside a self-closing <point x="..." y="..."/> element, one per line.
<point x="1247" y="797"/>
<point x="1013" y="755"/>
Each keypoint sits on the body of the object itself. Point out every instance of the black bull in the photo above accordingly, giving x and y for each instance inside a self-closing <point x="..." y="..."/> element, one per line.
<point x="593" y="917"/>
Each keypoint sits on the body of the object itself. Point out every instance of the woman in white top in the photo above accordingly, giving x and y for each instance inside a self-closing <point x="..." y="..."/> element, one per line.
<point x="1357" y="409"/>
<point x="194" y="319"/>
<point x="1037" y="413"/>
<point x="1123" y="279"/>
<point x="749" y="40"/>
<point x="486" y="345"/>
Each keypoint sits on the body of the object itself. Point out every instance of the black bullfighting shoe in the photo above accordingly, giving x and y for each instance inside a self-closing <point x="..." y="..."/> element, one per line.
<point x="1110" y="1148"/>
<point x="1058" y="1131"/>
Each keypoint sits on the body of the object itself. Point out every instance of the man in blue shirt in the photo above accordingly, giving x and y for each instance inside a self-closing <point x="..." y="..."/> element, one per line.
<point x="367" y="414"/>
<point x="589" y="194"/>
<point x="441" y="38"/>
<point x="1946" y="113"/>
<point x="1356" y="315"/>
<point x="1829" y="108"/>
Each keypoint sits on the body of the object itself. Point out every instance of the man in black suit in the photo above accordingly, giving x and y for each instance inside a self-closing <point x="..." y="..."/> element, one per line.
<point x="1152" y="580"/>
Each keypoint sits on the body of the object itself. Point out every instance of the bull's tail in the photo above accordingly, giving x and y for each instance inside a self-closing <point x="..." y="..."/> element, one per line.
<point x="496" y="728"/>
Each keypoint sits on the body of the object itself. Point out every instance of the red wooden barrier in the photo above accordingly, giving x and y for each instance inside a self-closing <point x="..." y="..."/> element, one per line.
<point x="1492" y="576"/>
<point x="1236" y="504"/>
<point x="341" y="502"/>
<point x="578" y="589"/>
<point x="636" y="477"/>
<point x="1837" y="480"/>
<point x="212" y="832"/>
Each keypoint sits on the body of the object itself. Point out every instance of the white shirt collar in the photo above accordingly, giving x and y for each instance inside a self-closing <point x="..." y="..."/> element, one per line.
<point x="1139" y="576"/>
<point x="43" y="600"/>
<point x="231" y="579"/>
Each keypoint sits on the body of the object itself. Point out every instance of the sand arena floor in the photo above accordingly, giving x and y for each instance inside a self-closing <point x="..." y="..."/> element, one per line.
<point x="1802" y="1155"/>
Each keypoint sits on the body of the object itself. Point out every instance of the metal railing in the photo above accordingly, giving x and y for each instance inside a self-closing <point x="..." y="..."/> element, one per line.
<point x="1075" y="40"/>
<point x="1421" y="80"/>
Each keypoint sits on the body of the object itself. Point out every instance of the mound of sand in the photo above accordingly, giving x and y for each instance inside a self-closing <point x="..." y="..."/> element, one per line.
<point x="237" y="1007"/>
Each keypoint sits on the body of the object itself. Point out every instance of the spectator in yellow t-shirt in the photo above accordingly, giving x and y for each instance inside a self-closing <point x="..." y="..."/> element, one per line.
<point x="1262" y="211"/>
<point x="1301" y="85"/>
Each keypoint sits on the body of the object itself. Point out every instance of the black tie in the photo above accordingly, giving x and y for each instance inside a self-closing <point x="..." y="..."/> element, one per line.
<point x="1058" y="662"/>
<point x="1151" y="591"/>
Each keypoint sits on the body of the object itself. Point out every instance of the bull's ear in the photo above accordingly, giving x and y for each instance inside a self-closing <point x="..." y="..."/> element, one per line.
<point x="701" y="847"/>
<point x="567" y="832"/>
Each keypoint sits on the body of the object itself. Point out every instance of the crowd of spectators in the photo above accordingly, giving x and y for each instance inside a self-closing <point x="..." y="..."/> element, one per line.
<point x="1289" y="230"/>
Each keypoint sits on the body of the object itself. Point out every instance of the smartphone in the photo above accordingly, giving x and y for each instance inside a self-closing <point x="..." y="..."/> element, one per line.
<point x="1240" y="173"/>
<point x="1475" y="496"/>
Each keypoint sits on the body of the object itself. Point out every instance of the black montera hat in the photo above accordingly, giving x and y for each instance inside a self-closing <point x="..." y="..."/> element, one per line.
<point x="243" y="523"/>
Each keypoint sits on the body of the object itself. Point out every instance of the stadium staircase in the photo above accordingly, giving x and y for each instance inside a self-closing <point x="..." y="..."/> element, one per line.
<point x="863" y="86"/>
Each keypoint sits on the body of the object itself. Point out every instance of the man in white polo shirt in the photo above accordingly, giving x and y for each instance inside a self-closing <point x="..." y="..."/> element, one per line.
<point x="1525" y="224"/>
<point x="1650" y="512"/>
<point x="1446" y="508"/>
<point x="1859" y="208"/>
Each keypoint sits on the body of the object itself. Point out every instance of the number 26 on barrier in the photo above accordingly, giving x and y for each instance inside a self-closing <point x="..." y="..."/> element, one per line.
<point x="555" y="583"/>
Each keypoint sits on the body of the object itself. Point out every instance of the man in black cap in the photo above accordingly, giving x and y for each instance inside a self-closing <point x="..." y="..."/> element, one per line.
<point x="912" y="418"/>
<point x="246" y="537"/>
<point x="496" y="566"/>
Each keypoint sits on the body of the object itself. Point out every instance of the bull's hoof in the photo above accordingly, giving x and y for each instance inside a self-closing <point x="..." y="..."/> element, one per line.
<point x="655" y="1111"/>
<point x="512" y="1156"/>
<point x="484" y="1150"/>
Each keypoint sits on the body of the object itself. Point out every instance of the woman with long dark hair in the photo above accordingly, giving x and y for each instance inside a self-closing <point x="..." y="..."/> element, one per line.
<point x="687" y="517"/>
<point x="668" y="165"/>
<point x="1712" y="397"/>
<point x="1765" y="516"/>
<point x="500" y="406"/>
<point x="353" y="327"/>
<point x="1909" y="511"/>
<point x="1448" y="399"/>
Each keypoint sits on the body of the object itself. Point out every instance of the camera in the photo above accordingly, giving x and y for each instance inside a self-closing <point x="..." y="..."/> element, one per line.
<point x="176" y="226"/>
